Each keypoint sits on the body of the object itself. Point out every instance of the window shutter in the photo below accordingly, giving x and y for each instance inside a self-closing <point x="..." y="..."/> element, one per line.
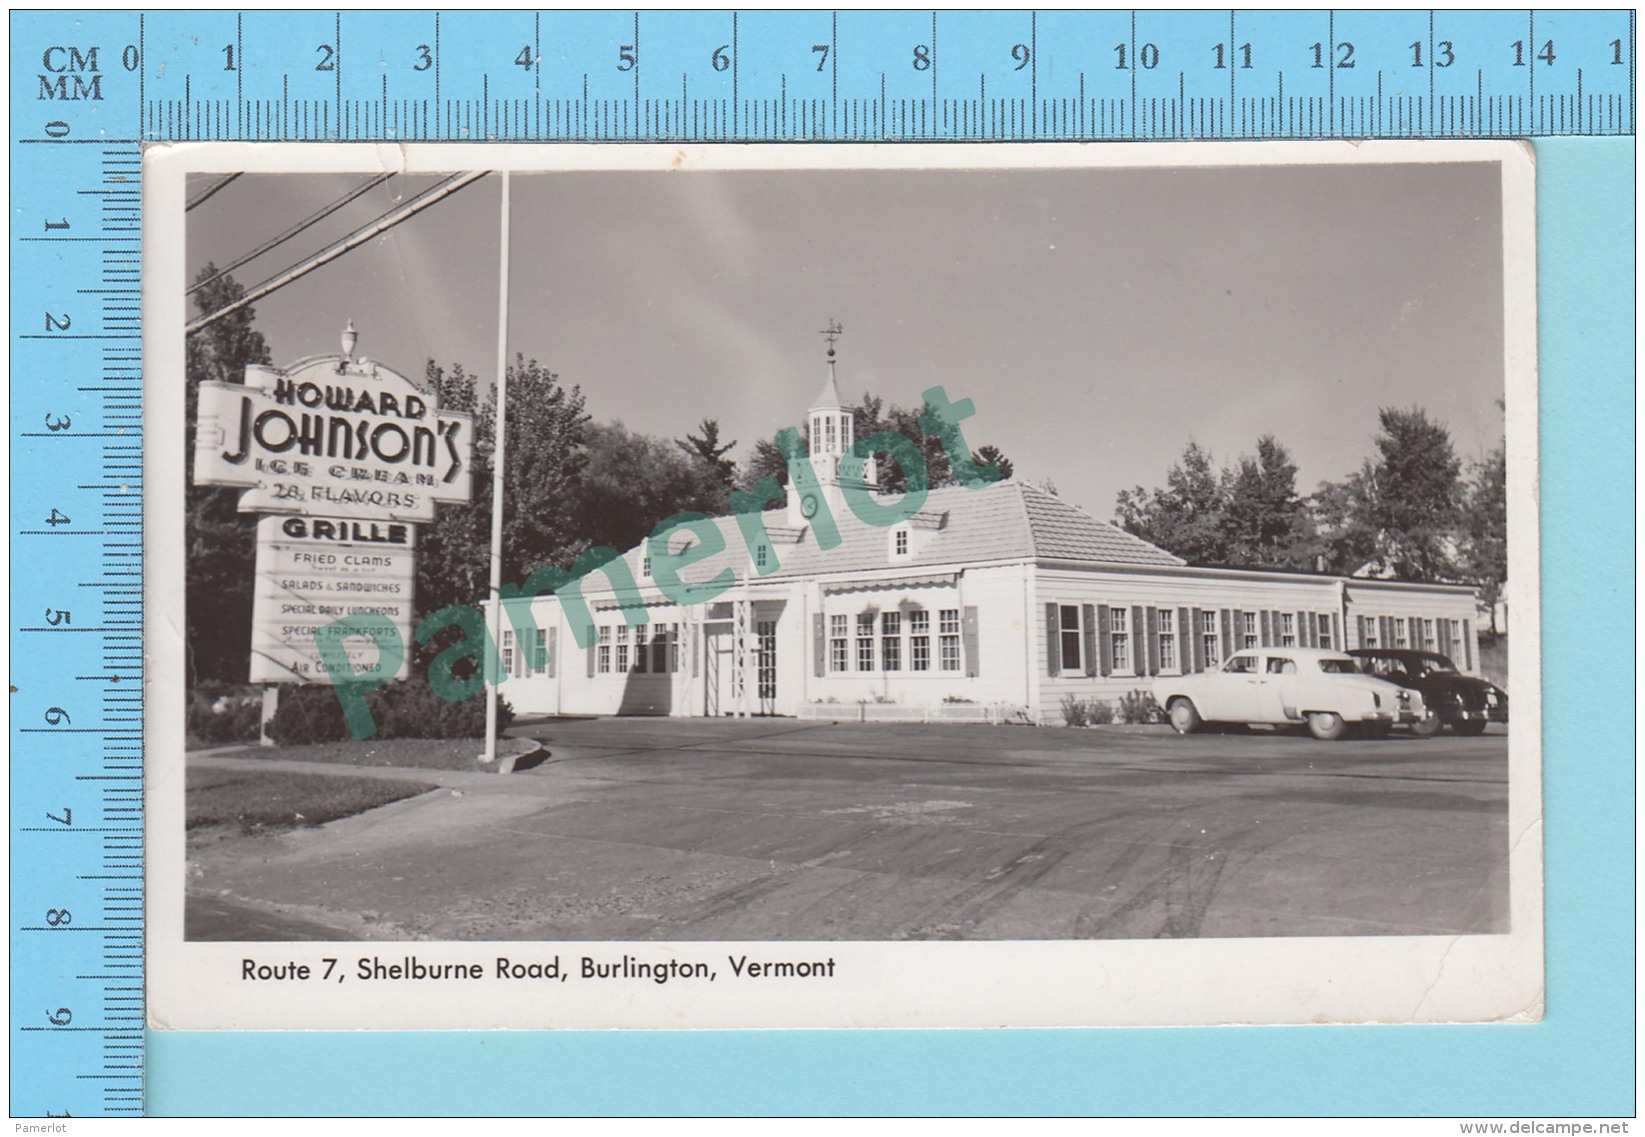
<point x="1238" y="640"/>
<point x="1305" y="629"/>
<point x="1442" y="628"/>
<point x="1187" y="637"/>
<point x="1053" y="642"/>
<point x="1139" y="641"/>
<point x="1105" y="640"/>
<point x="1267" y="628"/>
<point x="1227" y="643"/>
<point x="1385" y="632"/>
<point x="553" y="650"/>
<point x="1088" y="626"/>
<point x="1336" y="632"/>
<point x="1467" y="646"/>
<point x="593" y="646"/>
<point x="819" y="644"/>
<point x="968" y="638"/>
<point x="1415" y="625"/>
<point x="1153" y="641"/>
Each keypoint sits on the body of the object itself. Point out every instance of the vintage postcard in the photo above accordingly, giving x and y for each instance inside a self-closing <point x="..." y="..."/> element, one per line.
<point x="961" y="586"/>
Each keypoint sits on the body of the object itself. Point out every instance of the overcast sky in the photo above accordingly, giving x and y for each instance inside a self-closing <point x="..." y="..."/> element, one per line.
<point x="1098" y="319"/>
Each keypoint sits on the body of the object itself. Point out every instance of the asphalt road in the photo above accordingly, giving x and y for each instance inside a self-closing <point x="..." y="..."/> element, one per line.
<point x="658" y="829"/>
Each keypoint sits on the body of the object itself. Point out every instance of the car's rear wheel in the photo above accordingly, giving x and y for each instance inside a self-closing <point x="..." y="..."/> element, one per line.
<point x="1326" y="726"/>
<point x="1184" y="717"/>
<point x="1471" y="728"/>
<point x="1428" y="725"/>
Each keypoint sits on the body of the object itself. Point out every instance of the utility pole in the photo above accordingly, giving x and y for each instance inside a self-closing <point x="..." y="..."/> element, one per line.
<point x="495" y="615"/>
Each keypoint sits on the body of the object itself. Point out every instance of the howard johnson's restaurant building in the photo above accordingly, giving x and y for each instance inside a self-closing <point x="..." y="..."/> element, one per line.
<point x="988" y="604"/>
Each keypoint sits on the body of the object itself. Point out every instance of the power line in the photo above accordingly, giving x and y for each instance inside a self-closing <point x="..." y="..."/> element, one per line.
<point x="355" y="239"/>
<point x="210" y="191"/>
<point x="305" y="223"/>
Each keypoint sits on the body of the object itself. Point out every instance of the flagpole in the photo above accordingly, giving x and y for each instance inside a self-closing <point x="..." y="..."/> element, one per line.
<point x="495" y="615"/>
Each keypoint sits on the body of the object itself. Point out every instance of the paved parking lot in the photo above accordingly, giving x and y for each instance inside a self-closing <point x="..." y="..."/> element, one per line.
<point x="659" y="829"/>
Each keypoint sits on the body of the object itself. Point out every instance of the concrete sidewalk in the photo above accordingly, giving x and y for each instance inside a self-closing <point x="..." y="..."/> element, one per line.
<point x="477" y="780"/>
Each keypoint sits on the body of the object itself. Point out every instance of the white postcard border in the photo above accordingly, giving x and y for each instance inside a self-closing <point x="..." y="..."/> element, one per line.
<point x="197" y="986"/>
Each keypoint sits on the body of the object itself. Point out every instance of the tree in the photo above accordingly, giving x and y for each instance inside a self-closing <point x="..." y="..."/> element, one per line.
<point x="571" y="484"/>
<point x="1340" y="513"/>
<point x="632" y="481"/>
<point x="221" y="350"/>
<point x="542" y="521"/>
<point x="708" y="449"/>
<point x="1263" y="520"/>
<point x="1398" y="515"/>
<point x="220" y="560"/>
<point x="1484" y="546"/>
<point x="767" y="461"/>
<point x="1245" y="514"/>
<point x="1187" y="516"/>
<point x="1415" y="495"/>
<point x="993" y="455"/>
<point x="872" y="417"/>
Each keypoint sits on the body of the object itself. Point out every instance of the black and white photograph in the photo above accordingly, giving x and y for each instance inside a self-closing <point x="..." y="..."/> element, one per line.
<point x="944" y="586"/>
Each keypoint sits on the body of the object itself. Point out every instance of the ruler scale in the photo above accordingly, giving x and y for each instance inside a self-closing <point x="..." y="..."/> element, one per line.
<point x="89" y="88"/>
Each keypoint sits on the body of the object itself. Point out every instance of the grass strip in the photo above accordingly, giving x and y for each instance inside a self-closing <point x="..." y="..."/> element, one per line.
<point x="271" y="801"/>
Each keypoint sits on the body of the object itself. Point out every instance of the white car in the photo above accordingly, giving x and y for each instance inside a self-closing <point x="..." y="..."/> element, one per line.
<point x="1289" y="685"/>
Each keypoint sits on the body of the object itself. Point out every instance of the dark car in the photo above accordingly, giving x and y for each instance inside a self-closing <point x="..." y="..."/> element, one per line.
<point x="1464" y="703"/>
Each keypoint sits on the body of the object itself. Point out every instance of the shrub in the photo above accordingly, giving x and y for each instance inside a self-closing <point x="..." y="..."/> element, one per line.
<point x="1073" y="711"/>
<point x="306" y="715"/>
<point x="1086" y="712"/>
<point x="413" y="710"/>
<point x="406" y="708"/>
<point x="1139" y="706"/>
<point x="220" y="715"/>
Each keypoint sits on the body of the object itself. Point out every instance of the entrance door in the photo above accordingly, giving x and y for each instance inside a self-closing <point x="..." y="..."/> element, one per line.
<point x="765" y="658"/>
<point x="719" y="699"/>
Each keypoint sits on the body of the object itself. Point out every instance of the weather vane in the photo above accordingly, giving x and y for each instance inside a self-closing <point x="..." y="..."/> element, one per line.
<point x="831" y="334"/>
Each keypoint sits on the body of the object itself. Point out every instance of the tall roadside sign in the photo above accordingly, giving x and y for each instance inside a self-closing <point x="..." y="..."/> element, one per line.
<point x="343" y="458"/>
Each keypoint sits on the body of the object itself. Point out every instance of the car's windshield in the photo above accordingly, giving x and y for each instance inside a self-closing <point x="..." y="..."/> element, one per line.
<point x="1337" y="666"/>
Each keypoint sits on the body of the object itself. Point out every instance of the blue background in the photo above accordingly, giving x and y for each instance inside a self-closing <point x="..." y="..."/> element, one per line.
<point x="1579" y="1060"/>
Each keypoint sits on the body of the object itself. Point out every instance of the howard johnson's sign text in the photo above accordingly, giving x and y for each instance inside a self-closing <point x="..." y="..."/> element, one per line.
<point x="332" y="437"/>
